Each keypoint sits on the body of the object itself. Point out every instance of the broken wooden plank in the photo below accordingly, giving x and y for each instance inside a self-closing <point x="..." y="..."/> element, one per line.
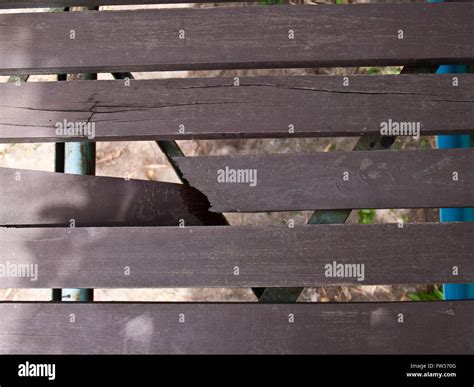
<point x="32" y="198"/>
<point x="301" y="328"/>
<point x="237" y="37"/>
<point x="213" y="108"/>
<point x="223" y="256"/>
<point x="334" y="180"/>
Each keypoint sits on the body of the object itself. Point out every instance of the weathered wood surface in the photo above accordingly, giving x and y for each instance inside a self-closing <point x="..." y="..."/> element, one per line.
<point x="212" y="108"/>
<point x="334" y="180"/>
<point x="68" y="3"/>
<point x="237" y="37"/>
<point x="88" y="3"/>
<point x="153" y="328"/>
<point x="367" y="143"/>
<point x="31" y="198"/>
<point x="223" y="256"/>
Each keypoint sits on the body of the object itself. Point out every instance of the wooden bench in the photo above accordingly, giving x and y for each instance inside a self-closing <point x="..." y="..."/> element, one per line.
<point x="133" y="234"/>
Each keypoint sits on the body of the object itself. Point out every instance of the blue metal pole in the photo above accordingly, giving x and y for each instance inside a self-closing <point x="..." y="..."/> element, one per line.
<point x="76" y="158"/>
<point x="455" y="291"/>
<point x="79" y="159"/>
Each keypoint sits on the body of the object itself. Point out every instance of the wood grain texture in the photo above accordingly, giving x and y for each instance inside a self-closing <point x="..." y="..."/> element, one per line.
<point x="47" y="199"/>
<point x="375" y="179"/>
<point x="150" y="328"/>
<point x="367" y="143"/>
<point x="237" y="37"/>
<point x="88" y="3"/>
<point x="212" y="108"/>
<point x="203" y="256"/>
<point x="68" y="3"/>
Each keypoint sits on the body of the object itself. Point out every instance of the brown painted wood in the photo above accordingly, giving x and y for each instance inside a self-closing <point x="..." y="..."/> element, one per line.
<point x="203" y="256"/>
<point x="376" y="179"/>
<point x="211" y="108"/>
<point x="88" y="3"/>
<point x="237" y="37"/>
<point x="151" y="328"/>
<point x="367" y="142"/>
<point x="68" y="3"/>
<point x="31" y="198"/>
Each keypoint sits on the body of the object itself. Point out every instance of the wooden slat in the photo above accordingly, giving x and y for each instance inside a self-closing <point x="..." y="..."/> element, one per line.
<point x="210" y="108"/>
<point x="150" y="328"/>
<point x="334" y="180"/>
<point x="44" y="198"/>
<point x="237" y="37"/>
<point x="367" y="142"/>
<point x="265" y="256"/>
<point x="68" y="3"/>
<point x="88" y="3"/>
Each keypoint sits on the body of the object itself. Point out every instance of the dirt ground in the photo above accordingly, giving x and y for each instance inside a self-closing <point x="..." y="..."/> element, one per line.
<point x="144" y="160"/>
